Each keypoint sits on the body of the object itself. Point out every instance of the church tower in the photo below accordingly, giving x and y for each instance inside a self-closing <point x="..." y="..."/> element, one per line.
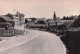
<point x="55" y="19"/>
<point x="54" y="16"/>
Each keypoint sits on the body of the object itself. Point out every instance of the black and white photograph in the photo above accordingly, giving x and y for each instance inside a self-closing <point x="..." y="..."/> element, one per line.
<point x="39" y="27"/>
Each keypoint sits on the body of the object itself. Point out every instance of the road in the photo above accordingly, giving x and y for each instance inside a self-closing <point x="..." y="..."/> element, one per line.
<point x="34" y="42"/>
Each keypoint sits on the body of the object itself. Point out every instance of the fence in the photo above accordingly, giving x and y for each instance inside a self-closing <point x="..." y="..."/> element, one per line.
<point x="10" y="32"/>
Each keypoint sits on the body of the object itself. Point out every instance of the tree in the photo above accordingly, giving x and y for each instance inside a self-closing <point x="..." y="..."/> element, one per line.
<point x="64" y="18"/>
<point x="72" y="17"/>
<point x="76" y="23"/>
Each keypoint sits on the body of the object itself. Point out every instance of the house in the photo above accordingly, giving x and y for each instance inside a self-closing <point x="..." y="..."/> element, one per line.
<point x="30" y="21"/>
<point x="40" y="24"/>
<point x="6" y="20"/>
<point x="58" y="24"/>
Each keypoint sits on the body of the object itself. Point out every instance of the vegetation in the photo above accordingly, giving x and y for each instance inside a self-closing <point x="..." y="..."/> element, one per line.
<point x="10" y="32"/>
<point x="76" y="23"/>
<point x="68" y="18"/>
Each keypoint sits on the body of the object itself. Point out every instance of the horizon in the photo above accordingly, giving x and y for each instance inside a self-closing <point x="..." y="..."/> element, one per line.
<point x="41" y="8"/>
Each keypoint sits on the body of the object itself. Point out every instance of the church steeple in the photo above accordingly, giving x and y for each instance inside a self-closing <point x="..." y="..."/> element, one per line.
<point x="54" y="16"/>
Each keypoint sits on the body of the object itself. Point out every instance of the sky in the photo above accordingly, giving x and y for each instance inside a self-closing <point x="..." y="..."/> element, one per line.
<point x="41" y="8"/>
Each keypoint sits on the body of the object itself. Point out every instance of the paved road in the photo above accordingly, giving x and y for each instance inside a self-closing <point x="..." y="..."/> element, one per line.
<point x="35" y="42"/>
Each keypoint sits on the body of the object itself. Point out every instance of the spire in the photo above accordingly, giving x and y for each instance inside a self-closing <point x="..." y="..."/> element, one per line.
<point x="54" y="16"/>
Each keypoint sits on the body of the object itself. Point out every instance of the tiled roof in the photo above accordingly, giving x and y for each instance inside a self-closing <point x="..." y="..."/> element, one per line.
<point x="6" y="18"/>
<point x="5" y="23"/>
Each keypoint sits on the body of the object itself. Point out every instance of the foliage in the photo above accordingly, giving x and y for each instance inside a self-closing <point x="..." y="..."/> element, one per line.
<point x="76" y="23"/>
<point x="68" y="18"/>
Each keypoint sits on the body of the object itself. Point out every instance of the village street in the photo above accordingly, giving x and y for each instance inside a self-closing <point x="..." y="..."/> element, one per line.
<point x="33" y="42"/>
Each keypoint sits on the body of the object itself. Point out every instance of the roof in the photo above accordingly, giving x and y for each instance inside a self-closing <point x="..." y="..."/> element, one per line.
<point x="60" y="21"/>
<point x="7" y="23"/>
<point x="68" y="23"/>
<point x="6" y="18"/>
